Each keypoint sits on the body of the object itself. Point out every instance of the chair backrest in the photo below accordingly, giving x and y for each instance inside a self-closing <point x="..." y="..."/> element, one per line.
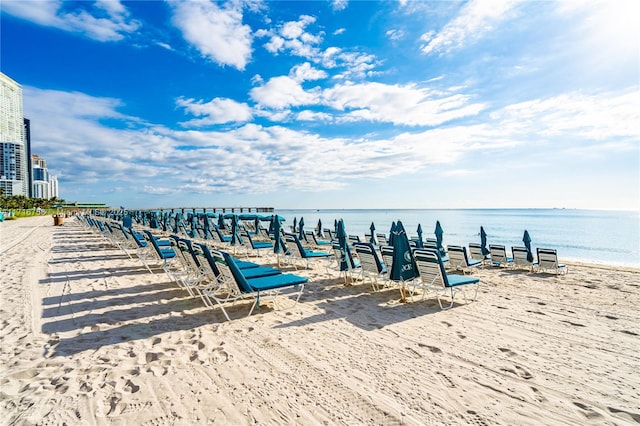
<point x="162" y="253"/>
<point x="328" y="235"/>
<point x="382" y="239"/>
<point x="475" y="251"/>
<point x="387" y="256"/>
<point x="369" y="260"/>
<point x="498" y="253"/>
<point x="293" y="241"/>
<point x="547" y="259"/>
<point x="230" y="275"/>
<point x="431" y="245"/>
<point x="311" y="238"/>
<point x="431" y="268"/>
<point x="457" y="256"/>
<point x="354" y="239"/>
<point x="520" y="256"/>
<point x="183" y="253"/>
<point x="338" y="254"/>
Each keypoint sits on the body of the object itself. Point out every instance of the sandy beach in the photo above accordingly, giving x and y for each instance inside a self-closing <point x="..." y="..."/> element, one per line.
<point x="89" y="336"/>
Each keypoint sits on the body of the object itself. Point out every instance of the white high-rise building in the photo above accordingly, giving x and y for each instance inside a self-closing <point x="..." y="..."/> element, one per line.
<point x="14" y="171"/>
<point x="53" y="187"/>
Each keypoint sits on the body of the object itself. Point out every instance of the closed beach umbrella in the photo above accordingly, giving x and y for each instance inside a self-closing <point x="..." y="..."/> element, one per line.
<point x="419" y="231"/>
<point x="275" y="224"/>
<point x="235" y="239"/>
<point x="221" y="221"/>
<point x="319" y="229"/>
<point x="483" y="242"/>
<point x="301" y="229"/>
<point x="372" y="228"/>
<point x="403" y="268"/>
<point x="391" y="233"/>
<point x="527" y="243"/>
<point x="207" y="231"/>
<point x="176" y="222"/>
<point x="439" y="233"/>
<point x="295" y="225"/>
<point x="345" y="263"/>
<point x="192" y="223"/>
<point x="335" y="226"/>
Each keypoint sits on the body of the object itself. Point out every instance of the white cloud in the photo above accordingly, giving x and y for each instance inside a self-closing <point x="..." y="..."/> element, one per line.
<point x="474" y="20"/>
<point x="308" y="115"/>
<point x="305" y="72"/>
<point x="216" y="111"/>
<point x="282" y="92"/>
<point x="339" y="31"/>
<point x="395" y="34"/>
<point x="572" y="116"/>
<point x="339" y="4"/>
<point x="292" y="37"/>
<point x="402" y="105"/>
<point x="218" y="33"/>
<point x="105" y="21"/>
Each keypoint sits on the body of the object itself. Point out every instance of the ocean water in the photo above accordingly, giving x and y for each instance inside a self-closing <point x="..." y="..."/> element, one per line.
<point x="595" y="236"/>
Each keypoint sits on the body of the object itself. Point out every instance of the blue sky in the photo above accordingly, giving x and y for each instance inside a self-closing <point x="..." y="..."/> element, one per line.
<point x="332" y="104"/>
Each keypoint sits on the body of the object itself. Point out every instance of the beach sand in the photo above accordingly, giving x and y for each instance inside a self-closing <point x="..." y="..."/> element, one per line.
<point x="89" y="336"/>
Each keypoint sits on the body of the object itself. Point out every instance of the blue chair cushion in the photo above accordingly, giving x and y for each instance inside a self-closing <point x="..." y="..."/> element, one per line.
<point x="276" y="281"/>
<point x="263" y="271"/>
<point x="456" y="280"/>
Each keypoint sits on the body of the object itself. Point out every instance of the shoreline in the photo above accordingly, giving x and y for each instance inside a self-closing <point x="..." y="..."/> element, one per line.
<point x="91" y="337"/>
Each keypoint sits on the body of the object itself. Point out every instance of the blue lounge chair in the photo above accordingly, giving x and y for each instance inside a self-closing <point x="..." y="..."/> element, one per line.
<point x="299" y="252"/>
<point x="433" y="277"/>
<point x="231" y="285"/>
<point x="255" y="245"/>
<point x="313" y="240"/>
<point x="163" y="251"/>
<point x="370" y="264"/>
<point x="207" y="260"/>
<point x="475" y="253"/>
<point x="499" y="256"/>
<point x="459" y="260"/>
<point x="520" y="258"/>
<point x="548" y="261"/>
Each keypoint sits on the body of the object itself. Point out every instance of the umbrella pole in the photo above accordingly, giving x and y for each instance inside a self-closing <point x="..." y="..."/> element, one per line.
<point x="403" y="293"/>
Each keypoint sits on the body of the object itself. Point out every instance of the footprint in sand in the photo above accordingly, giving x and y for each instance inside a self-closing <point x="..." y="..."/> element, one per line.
<point x="507" y="351"/>
<point x="219" y="356"/>
<point x="131" y="387"/>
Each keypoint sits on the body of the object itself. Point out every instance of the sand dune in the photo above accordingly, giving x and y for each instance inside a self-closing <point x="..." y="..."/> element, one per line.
<point x="90" y="337"/>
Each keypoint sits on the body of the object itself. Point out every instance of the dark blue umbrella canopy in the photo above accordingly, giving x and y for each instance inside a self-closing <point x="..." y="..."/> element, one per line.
<point x="335" y="226"/>
<point x="439" y="233"/>
<point x="372" y="228"/>
<point x="403" y="267"/>
<point x="319" y="228"/>
<point x="301" y="235"/>
<point x="192" y="222"/>
<point x="419" y="231"/>
<point x="391" y="233"/>
<point x="483" y="241"/>
<point x="277" y="243"/>
<point x="295" y="225"/>
<point x="221" y="221"/>
<point x="345" y="263"/>
<point x="235" y="239"/>
<point x="207" y="230"/>
<point x="176" y="222"/>
<point x="527" y="243"/>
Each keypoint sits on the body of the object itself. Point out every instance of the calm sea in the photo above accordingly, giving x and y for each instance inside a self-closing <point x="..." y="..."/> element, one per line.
<point x="609" y="237"/>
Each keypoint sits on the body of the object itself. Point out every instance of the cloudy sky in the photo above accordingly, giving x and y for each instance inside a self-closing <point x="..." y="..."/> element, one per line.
<point x="332" y="104"/>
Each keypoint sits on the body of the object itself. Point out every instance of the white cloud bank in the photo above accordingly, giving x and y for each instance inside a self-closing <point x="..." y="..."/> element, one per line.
<point x="102" y="20"/>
